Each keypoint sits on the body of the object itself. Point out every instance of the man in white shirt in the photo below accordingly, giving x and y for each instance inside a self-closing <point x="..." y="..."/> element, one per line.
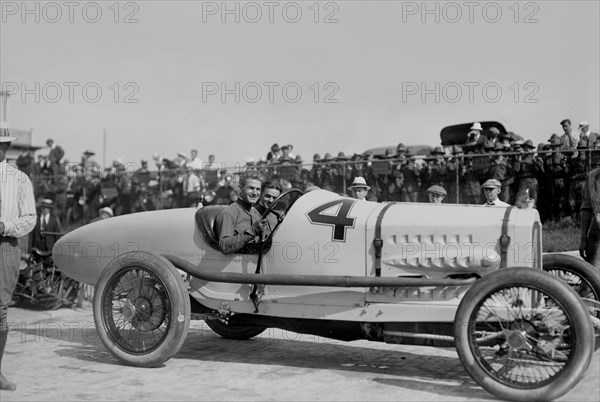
<point x="192" y="183"/>
<point x="568" y="140"/>
<point x="195" y="162"/>
<point x="491" y="190"/>
<point x="17" y="218"/>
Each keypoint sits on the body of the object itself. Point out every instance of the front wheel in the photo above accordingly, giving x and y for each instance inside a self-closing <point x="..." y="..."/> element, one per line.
<point x="142" y="309"/>
<point x="523" y="335"/>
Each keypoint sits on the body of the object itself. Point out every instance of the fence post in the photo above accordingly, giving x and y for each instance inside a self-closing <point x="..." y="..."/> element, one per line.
<point x="457" y="179"/>
<point x="160" y="187"/>
<point x="344" y="177"/>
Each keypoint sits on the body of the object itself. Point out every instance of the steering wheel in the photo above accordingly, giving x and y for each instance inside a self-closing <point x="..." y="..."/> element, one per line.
<point x="280" y="215"/>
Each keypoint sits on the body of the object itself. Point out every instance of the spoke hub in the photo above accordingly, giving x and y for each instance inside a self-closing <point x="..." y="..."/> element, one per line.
<point x="143" y="308"/>
<point x="128" y="311"/>
<point x="516" y="339"/>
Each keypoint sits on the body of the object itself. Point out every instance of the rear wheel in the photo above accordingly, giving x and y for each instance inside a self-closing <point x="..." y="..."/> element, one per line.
<point x="142" y="309"/>
<point x="523" y="335"/>
<point x="233" y="331"/>
<point x="578" y="274"/>
<point x="582" y="277"/>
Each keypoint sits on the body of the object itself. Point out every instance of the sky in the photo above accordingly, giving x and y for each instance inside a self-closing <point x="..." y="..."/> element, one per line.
<point x="232" y="78"/>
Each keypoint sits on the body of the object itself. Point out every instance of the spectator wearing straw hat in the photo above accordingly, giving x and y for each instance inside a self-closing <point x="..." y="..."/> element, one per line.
<point x="359" y="188"/>
<point x="17" y="219"/>
<point x="474" y="136"/>
<point x="47" y="227"/>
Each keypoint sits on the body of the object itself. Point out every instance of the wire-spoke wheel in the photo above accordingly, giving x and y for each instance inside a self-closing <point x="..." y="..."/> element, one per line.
<point x="524" y="335"/>
<point x="581" y="276"/>
<point x="142" y="309"/>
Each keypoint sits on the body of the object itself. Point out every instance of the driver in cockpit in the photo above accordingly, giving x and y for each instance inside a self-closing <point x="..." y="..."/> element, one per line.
<point x="239" y="226"/>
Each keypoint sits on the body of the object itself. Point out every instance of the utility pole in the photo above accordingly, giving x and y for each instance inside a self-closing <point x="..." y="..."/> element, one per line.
<point x="4" y="96"/>
<point x="104" y="151"/>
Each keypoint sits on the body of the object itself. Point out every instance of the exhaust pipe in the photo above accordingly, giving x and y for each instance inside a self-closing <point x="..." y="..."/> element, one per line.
<point x="310" y="280"/>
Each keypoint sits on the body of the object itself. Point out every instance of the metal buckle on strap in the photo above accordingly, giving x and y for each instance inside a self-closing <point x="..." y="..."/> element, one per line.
<point x="378" y="241"/>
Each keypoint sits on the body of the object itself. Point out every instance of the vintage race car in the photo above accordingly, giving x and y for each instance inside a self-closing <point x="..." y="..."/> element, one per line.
<point x="337" y="267"/>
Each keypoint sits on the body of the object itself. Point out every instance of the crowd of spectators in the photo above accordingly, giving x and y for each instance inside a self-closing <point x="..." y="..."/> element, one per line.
<point x="549" y="175"/>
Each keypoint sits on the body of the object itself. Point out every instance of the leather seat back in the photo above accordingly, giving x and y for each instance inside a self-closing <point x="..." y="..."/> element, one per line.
<point x="205" y="219"/>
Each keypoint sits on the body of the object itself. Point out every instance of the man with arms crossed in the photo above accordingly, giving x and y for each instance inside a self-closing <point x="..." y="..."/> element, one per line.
<point x="17" y="218"/>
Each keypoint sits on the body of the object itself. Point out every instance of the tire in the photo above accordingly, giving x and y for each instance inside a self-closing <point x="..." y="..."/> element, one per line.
<point x="232" y="331"/>
<point x="554" y="344"/>
<point x="141" y="309"/>
<point x="578" y="274"/>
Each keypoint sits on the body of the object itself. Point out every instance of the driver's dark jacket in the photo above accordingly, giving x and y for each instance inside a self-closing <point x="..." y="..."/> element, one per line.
<point x="233" y="226"/>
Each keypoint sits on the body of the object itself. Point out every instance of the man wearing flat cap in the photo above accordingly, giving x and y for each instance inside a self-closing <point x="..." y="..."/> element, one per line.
<point x="359" y="188"/>
<point x="491" y="190"/>
<point x="436" y="194"/>
<point x="17" y="219"/>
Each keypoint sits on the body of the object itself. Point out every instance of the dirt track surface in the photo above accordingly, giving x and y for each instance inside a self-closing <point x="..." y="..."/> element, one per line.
<point x="56" y="355"/>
